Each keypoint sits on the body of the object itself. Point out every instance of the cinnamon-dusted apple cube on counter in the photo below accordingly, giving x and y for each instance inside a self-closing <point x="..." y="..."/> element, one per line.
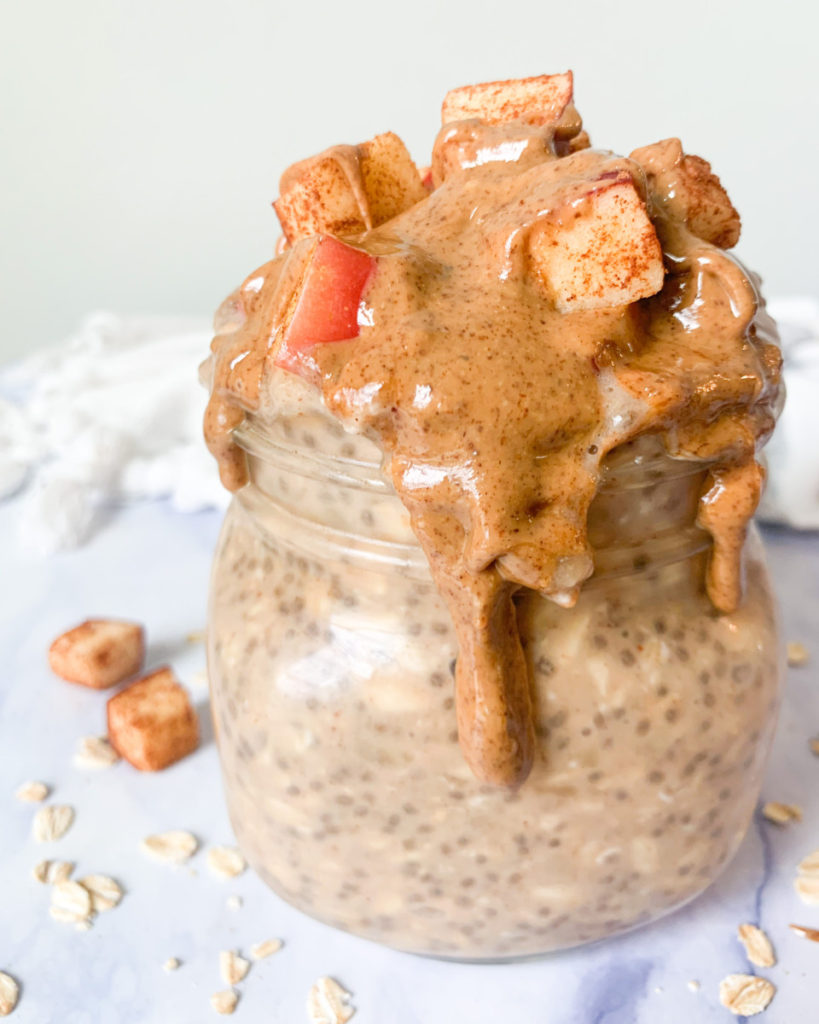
<point x="98" y="653"/>
<point x="599" y="250"/>
<point x="152" y="723"/>
<point x="539" y="100"/>
<point x="688" y="188"/>
<point x="348" y="189"/>
<point x="325" y="301"/>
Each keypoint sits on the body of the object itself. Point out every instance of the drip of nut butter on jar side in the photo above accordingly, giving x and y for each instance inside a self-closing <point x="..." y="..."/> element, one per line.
<point x="498" y="330"/>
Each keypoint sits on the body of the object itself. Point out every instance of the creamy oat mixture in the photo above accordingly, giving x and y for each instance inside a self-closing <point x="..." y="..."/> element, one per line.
<point x="611" y="738"/>
<point x="333" y="698"/>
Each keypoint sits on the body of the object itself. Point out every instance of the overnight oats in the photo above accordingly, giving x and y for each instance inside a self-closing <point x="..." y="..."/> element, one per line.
<point x="492" y="647"/>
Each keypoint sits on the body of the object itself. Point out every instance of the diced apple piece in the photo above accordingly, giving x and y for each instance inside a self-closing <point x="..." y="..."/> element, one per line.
<point x="98" y="653"/>
<point x="152" y="723"/>
<point x="324" y="305"/>
<point x="317" y="196"/>
<point x="711" y="214"/>
<point x="692" y="193"/>
<point x="539" y="100"/>
<point x="599" y="249"/>
<point x="348" y="189"/>
<point x="391" y="180"/>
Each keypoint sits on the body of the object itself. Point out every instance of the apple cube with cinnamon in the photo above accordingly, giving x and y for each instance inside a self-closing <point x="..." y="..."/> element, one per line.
<point x="599" y="249"/>
<point x="687" y="187"/>
<point x="538" y="100"/>
<point x="152" y="723"/>
<point x="98" y="653"/>
<point x="347" y="189"/>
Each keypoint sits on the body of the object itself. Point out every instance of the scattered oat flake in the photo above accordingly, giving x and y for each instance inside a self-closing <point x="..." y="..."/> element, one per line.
<point x="797" y="655"/>
<point x="224" y="1002"/>
<point x="9" y="994"/>
<point x="196" y="636"/>
<point x="694" y="985"/>
<point x="171" y="964"/>
<point x="814" y="746"/>
<point x="233" y="902"/>
<point x="807" y="889"/>
<point x="805" y="933"/>
<point x="329" y="1003"/>
<point x="32" y="792"/>
<point x="757" y="945"/>
<point x="95" y="752"/>
<point x="52" y="822"/>
<point x="232" y="967"/>
<point x="781" y="814"/>
<point x="265" y="949"/>
<point x="226" y="861"/>
<point x="105" y="892"/>
<point x="83" y="926"/>
<point x="809" y="865"/>
<point x="58" y="871"/>
<point x="70" y="902"/>
<point x="745" y="994"/>
<point x="40" y="871"/>
<point x="174" y="847"/>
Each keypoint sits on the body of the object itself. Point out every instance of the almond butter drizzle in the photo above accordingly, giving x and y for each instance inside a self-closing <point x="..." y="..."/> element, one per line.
<point x="495" y="411"/>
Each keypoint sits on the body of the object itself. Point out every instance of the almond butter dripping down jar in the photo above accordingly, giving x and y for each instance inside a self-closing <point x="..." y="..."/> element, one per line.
<point x="492" y="648"/>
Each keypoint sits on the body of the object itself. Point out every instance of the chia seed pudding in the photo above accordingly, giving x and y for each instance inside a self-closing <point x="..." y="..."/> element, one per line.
<point x="331" y="657"/>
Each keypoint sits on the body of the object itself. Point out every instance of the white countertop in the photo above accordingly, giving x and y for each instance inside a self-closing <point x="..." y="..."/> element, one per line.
<point x="151" y="564"/>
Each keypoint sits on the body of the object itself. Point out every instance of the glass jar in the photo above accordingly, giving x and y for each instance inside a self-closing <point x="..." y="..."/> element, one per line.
<point x="331" y="659"/>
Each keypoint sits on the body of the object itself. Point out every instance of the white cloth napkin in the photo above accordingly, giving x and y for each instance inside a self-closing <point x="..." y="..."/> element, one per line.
<point x="792" y="493"/>
<point x="115" y="414"/>
<point x="112" y="415"/>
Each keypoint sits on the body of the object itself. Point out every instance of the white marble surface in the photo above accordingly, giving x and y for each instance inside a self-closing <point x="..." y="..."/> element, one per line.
<point x="152" y="564"/>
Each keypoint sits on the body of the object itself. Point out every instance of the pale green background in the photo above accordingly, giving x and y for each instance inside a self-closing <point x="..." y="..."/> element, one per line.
<point x="141" y="140"/>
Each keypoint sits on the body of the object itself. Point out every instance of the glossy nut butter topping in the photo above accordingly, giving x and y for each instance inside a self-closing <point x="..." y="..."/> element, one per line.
<point x="498" y="330"/>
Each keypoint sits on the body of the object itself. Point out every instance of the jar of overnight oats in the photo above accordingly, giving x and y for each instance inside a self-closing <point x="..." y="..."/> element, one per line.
<point x="331" y="659"/>
<point x="492" y="646"/>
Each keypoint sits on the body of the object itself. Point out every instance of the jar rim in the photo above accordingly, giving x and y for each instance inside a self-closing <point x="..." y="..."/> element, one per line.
<point x="331" y="543"/>
<point x="649" y="466"/>
<point x="638" y="466"/>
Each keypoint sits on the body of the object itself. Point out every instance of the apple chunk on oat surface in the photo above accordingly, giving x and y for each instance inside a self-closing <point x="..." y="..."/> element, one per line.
<point x="317" y="196"/>
<point x="687" y="186"/>
<point x="392" y="182"/>
<point x="348" y="189"/>
<point x="324" y="306"/>
<point x="599" y="249"/>
<point x="538" y="100"/>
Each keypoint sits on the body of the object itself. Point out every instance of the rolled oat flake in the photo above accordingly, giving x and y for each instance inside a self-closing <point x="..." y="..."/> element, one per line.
<point x="757" y="945"/>
<point x="174" y="847"/>
<point x="9" y="994"/>
<point x="224" y="1002"/>
<point x="745" y="995"/>
<point x="329" y="1003"/>
<point x="52" y="822"/>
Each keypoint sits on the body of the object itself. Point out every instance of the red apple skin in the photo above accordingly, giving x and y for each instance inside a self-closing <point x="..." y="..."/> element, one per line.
<point x="326" y="308"/>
